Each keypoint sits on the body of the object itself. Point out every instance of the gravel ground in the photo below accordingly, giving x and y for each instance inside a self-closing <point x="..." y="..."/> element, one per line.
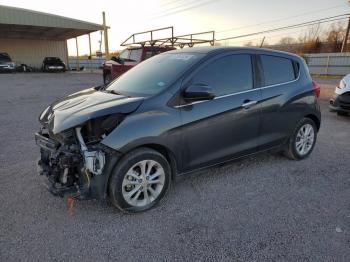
<point x="262" y="208"/>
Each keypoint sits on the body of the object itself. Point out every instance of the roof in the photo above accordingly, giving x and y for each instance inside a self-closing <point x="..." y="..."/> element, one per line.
<point x="221" y="49"/>
<point x="28" y="24"/>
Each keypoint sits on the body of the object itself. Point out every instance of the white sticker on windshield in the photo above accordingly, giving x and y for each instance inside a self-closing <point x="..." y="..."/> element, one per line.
<point x="161" y="84"/>
<point x="182" y="57"/>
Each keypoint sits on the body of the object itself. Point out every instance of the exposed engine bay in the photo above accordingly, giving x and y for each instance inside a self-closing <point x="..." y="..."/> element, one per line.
<point x="73" y="159"/>
<point x="73" y="156"/>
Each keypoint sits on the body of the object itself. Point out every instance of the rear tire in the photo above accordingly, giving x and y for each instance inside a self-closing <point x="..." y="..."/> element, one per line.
<point x="302" y="141"/>
<point x="140" y="180"/>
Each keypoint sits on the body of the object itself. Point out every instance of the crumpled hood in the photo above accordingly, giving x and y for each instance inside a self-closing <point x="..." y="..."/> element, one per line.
<point x="79" y="107"/>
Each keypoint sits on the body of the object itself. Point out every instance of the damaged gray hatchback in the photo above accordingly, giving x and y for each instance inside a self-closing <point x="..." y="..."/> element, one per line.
<point x="177" y="112"/>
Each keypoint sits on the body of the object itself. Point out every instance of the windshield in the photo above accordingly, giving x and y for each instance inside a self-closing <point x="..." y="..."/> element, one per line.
<point x="153" y="75"/>
<point x="4" y="57"/>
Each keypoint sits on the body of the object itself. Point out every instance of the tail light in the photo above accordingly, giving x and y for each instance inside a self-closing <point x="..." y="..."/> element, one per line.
<point x="317" y="89"/>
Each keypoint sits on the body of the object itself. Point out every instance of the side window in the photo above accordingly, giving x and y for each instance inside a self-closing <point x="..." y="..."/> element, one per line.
<point x="227" y="75"/>
<point x="135" y="55"/>
<point x="124" y="54"/>
<point x="277" y="70"/>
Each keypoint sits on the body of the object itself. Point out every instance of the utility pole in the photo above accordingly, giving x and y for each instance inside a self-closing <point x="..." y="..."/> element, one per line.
<point x="77" y="47"/>
<point x="262" y="42"/>
<point x="90" y="52"/>
<point x="345" y="40"/>
<point x="105" y="35"/>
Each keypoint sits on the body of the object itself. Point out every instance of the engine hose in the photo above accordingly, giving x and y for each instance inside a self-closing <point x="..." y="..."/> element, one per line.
<point x="88" y="177"/>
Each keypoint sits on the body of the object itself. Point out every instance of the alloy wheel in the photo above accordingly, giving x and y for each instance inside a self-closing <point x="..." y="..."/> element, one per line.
<point x="143" y="183"/>
<point x="305" y="139"/>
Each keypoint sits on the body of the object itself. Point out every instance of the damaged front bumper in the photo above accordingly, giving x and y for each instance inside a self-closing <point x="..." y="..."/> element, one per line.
<point x="340" y="103"/>
<point x="74" y="168"/>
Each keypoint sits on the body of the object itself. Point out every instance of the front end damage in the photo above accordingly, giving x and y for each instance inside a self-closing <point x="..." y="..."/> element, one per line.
<point x="74" y="162"/>
<point x="72" y="156"/>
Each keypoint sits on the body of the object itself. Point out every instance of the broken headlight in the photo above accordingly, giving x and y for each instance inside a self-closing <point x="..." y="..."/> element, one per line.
<point x="96" y="129"/>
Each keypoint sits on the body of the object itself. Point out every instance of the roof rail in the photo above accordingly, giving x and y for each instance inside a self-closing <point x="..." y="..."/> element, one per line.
<point x="181" y="41"/>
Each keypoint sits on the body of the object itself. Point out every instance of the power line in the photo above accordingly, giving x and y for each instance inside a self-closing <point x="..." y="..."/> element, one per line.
<point x="171" y="9"/>
<point x="282" y="19"/>
<point x="269" y="37"/>
<point x="275" y="36"/>
<point x="170" y="2"/>
<point x="187" y="8"/>
<point x="313" y="22"/>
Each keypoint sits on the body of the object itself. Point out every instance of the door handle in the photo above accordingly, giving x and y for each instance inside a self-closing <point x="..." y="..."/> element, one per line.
<point x="248" y="104"/>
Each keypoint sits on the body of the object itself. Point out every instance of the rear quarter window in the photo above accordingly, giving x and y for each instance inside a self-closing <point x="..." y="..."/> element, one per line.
<point x="277" y="70"/>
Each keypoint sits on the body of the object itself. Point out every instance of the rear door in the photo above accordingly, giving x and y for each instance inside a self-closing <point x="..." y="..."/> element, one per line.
<point x="227" y="126"/>
<point x="280" y="106"/>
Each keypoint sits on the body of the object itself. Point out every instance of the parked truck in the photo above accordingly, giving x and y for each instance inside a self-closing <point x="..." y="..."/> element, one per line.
<point x="140" y="50"/>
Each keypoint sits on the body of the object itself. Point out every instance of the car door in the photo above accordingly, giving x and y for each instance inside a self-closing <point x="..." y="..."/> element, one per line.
<point x="279" y="109"/>
<point x="228" y="125"/>
<point x="131" y="57"/>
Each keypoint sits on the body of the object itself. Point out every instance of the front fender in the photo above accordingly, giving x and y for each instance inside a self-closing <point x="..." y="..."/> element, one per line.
<point x="147" y="127"/>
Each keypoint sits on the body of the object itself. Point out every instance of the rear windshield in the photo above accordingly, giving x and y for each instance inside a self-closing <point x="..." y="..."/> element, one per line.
<point x="53" y="59"/>
<point x="5" y="57"/>
<point x="154" y="75"/>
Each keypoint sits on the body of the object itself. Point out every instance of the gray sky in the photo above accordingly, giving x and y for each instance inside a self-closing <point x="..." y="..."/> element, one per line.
<point x="188" y="16"/>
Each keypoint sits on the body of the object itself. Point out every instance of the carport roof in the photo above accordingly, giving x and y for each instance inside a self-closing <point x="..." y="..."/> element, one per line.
<point x="28" y="24"/>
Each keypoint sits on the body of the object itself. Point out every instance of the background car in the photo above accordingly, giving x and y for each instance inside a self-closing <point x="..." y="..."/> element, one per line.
<point x="6" y="63"/>
<point x="128" y="58"/>
<point x="51" y="64"/>
<point x="340" y="101"/>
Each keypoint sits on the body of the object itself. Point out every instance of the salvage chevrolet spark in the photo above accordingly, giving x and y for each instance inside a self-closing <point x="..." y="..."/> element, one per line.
<point x="175" y="113"/>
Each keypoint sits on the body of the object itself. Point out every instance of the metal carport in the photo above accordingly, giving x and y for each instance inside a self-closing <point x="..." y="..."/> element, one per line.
<point x="29" y="36"/>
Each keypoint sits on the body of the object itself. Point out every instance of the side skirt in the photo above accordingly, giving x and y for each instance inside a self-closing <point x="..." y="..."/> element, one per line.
<point x="275" y="148"/>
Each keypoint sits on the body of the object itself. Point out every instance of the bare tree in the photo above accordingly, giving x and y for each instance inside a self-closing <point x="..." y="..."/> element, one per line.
<point x="287" y="41"/>
<point x="310" y="34"/>
<point x="334" y="36"/>
<point x="249" y="43"/>
<point x="310" y="40"/>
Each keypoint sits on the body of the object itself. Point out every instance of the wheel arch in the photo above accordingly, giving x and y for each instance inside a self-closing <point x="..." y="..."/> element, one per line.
<point x="163" y="150"/>
<point x="315" y="119"/>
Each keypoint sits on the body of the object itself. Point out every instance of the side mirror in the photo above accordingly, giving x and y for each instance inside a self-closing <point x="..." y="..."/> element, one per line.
<point x="198" y="91"/>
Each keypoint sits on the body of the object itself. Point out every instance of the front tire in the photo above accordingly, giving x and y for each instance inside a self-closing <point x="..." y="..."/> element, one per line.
<point x="302" y="141"/>
<point x="140" y="180"/>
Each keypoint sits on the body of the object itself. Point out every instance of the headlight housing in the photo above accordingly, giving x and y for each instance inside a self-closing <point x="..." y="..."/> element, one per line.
<point x="43" y="114"/>
<point x="342" y="84"/>
<point x="96" y="129"/>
